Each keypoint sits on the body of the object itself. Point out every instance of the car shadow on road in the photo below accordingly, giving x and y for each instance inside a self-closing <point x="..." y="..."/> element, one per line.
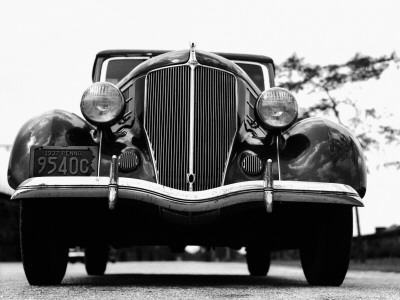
<point x="174" y="280"/>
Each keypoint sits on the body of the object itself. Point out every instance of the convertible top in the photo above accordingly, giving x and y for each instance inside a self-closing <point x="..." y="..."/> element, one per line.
<point x="106" y="54"/>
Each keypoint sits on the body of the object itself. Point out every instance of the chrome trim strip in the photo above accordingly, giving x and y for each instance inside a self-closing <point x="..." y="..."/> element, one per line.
<point x="192" y="62"/>
<point x="153" y="159"/>
<point x="228" y="159"/>
<point x="100" y="149"/>
<point x="278" y="158"/>
<point x="191" y="124"/>
<point x="140" y="190"/>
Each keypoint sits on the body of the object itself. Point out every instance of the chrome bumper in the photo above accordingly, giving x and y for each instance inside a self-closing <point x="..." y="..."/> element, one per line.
<point x="140" y="190"/>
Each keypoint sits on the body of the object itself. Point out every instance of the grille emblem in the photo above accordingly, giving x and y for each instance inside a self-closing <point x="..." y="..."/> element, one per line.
<point x="190" y="178"/>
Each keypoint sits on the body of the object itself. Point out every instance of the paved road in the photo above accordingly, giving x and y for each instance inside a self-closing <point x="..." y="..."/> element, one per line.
<point x="194" y="280"/>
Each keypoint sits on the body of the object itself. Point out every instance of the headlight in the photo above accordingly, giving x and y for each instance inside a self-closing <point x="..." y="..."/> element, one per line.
<point x="277" y="108"/>
<point x="102" y="104"/>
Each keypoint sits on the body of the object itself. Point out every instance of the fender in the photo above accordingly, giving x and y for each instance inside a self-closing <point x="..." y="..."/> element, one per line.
<point x="53" y="128"/>
<point x="313" y="150"/>
<point x="319" y="150"/>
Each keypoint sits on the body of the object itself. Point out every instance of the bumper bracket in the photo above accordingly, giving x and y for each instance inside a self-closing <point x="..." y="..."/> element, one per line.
<point x="113" y="186"/>
<point x="268" y="186"/>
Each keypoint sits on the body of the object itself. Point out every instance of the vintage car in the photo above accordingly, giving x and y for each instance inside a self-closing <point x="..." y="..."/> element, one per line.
<point x="184" y="148"/>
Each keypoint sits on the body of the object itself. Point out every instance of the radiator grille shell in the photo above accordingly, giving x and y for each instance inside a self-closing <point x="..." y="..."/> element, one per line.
<point x="180" y="97"/>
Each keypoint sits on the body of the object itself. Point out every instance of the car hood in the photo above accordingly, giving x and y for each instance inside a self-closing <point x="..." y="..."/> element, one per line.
<point x="182" y="57"/>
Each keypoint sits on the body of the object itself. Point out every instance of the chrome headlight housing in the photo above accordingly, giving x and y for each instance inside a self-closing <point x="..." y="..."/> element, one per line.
<point x="277" y="108"/>
<point x="102" y="104"/>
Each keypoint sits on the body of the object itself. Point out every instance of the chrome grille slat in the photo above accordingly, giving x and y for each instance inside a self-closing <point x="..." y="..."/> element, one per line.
<point x="167" y="122"/>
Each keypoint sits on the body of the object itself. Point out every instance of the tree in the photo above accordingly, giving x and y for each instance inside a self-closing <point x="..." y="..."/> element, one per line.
<point x="327" y="83"/>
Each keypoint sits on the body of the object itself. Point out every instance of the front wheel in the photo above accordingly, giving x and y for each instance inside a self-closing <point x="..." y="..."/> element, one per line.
<point x="258" y="260"/>
<point x="325" y="252"/>
<point x="96" y="258"/>
<point x="43" y="247"/>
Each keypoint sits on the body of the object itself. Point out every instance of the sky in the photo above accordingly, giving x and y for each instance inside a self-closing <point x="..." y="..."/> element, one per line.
<point x="48" y="47"/>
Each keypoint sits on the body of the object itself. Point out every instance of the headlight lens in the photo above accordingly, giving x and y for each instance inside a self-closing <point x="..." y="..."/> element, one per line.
<point x="277" y="108"/>
<point x="102" y="103"/>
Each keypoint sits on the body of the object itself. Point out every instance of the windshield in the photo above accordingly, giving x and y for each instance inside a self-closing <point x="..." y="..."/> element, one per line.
<point x="255" y="72"/>
<point x="118" y="68"/>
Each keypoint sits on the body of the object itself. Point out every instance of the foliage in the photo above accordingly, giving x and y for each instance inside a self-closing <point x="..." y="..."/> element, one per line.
<point x="327" y="82"/>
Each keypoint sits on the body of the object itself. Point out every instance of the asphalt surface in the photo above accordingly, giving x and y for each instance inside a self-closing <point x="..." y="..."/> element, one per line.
<point x="194" y="280"/>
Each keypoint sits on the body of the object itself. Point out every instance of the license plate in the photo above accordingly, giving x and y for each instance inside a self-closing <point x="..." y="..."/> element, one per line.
<point x="63" y="161"/>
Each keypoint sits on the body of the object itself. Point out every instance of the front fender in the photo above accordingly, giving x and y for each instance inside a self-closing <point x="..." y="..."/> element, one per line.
<point x="313" y="150"/>
<point x="321" y="151"/>
<point x="53" y="128"/>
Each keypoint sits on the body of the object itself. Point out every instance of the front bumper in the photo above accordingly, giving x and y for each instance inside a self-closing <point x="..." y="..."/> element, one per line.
<point x="217" y="198"/>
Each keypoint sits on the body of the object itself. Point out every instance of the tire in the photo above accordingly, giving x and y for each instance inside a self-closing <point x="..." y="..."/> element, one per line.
<point x="258" y="260"/>
<point x="325" y="252"/>
<point x="96" y="258"/>
<point x="44" y="249"/>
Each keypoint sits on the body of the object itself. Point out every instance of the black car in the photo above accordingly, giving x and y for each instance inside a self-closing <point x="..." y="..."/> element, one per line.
<point x="185" y="148"/>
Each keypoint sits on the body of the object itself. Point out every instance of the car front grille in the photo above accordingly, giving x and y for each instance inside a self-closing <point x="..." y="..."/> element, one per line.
<point x="168" y="118"/>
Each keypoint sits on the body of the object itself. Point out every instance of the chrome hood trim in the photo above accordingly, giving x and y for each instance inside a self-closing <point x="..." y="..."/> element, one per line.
<point x="140" y="190"/>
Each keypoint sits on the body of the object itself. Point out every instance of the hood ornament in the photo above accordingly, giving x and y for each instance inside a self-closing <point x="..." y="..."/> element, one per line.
<point x="192" y="58"/>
